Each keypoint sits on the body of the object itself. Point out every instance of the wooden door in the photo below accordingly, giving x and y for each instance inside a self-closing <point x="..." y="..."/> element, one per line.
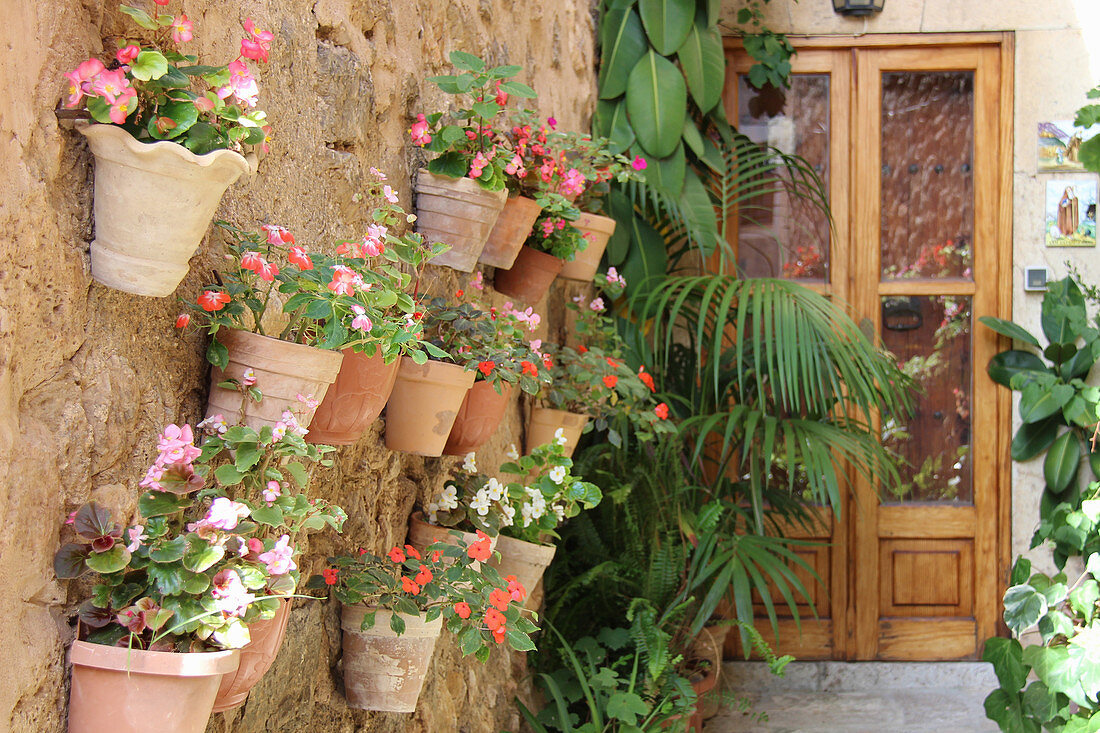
<point x="910" y="137"/>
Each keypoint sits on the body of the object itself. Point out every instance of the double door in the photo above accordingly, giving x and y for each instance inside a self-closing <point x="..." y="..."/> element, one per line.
<point x="912" y="138"/>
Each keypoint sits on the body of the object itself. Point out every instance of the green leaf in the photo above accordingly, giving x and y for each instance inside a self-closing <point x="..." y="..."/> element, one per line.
<point x="667" y="174"/>
<point x="298" y="472"/>
<point x="626" y="706"/>
<point x="184" y="114"/>
<point x="647" y="258"/>
<point x="1083" y="599"/>
<point x="1060" y="465"/>
<point x="612" y="123"/>
<point x="68" y="562"/>
<point x="518" y="89"/>
<point x="1063" y="312"/>
<point x="467" y="61"/>
<point x="622" y="211"/>
<point x="1023" y="607"/>
<point x="1010" y="329"/>
<point x="168" y="578"/>
<point x="1007" y="658"/>
<point x="656" y="101"/>
<point x="667" y="23"/>
<point x="111" y="561"/>
<point x="1034" y="438"/>
<point x="272" y="516"/>
<point x="248" y="455"/>
<point x="1004" y="709"/>
<point x="1040" y="703"/>
<point x="623" y="43"/>
<point x="704" y="63"/>
<point x="519" y="641"/>
<point x="1038" y="403"/>
<point x="1089" y="154"/>
<point x="168" y="551"/>
<point x="1008" y="364"/>
<point x="161" y="503"/>
<point x="149" y="65"/>
<point x="217" y="353"/>
<point x="202" y="555"/>
<point x="140" y="17"/>
<point x="228" y="475"/>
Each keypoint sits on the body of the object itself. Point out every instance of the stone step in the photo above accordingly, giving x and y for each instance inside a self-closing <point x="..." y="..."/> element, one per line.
<point x="858" y="697"/>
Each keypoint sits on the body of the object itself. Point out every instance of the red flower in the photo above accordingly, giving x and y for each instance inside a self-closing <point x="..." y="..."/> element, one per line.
<point x="424" y="576"/>
<point x="480" y="549"/>
<point x="299" y="257"/>
<point x="499" y="635"/>
<point x="582" y="349"/>
<point x="362" y="551"/>
<point x="485" y="367"/>
<point x="330" y="575"/>
<point x="661" y="411"/>
<point x="252" y="261"/>
<point x="396" y="555"/>
<point x="529" y="368"/>
<point x="182" y="320"/>
<point x="547" y="361"/>
<point x="462" y="608"/>
<point x="516" y="588"/>
<point x="647" y="379"/>
<point x="409" y="587"/>
<point x="268" y="271"/>
<point x="610" y="380"/>
<point x="412" y="552"/>
<point x="500" y="599"/>
<point x="213" y="300"/>
<point x="494" y="619"/>
<point x="459" y="293"/>
<point x="612" y="363"/>
<point x="437" y="555"/>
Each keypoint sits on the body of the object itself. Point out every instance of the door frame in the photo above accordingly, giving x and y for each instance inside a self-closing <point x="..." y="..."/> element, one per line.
<point x="845" y="231"/>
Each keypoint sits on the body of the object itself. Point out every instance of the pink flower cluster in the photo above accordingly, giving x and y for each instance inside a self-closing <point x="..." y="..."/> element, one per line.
<point x="528" y="316"/>
<point x="173" y="470"/>
<point x="419" y="131"/>
<point x="92" y="79"/>
<point x="572" y="184"/>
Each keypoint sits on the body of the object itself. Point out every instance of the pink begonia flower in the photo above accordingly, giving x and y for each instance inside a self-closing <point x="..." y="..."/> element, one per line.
<point x="214" y="424"/>
<point x="257" y="46"/>
<point x="343" y="280"/>
<point x="110" y="85"/>
<point x="136" y="535"/>
<point x="309" y="401"/>
<point x="478" y="282"/>
<point x="515" y="167"/>
<point x="152" y="478"/>
<point x="613" y="276"/>
<point x="552" y="122"/>
<point x="181" y="29"/>
<point x="230" y="595"/>
<point x="478" y="165"/>
<point x="249" y="377"/>
<point x="277" y="235"/>
<point x="80" y="76"/>
<point x="639" y="163"/>
<point x="177" y="445"/>
<point x="121" y="108"/>
<point x="596" y="305"/>
<point x="280" y="558"/>
<point x="377" y="173"/>
<point x="241" y="84"/>
<point x="546" y="170"/>
<point x="224" y="514"/>
<point x="361" y="321"/>
<point x="573" y="184"/>
<point x="389" y="193"/>
<point x="273" y="491"/>
<point x="128" y="53"/>
<point x="419" y="131"/>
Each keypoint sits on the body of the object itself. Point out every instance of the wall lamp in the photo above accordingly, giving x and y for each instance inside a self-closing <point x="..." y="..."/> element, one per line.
<point x="858" y="7"/>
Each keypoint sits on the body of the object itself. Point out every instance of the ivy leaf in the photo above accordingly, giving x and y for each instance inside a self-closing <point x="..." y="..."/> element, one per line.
<point x="1024" y="605"/>
<point x="1004" y="709"/>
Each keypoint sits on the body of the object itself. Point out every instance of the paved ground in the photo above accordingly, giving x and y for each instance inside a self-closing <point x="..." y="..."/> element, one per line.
<point x="867" y="697"/>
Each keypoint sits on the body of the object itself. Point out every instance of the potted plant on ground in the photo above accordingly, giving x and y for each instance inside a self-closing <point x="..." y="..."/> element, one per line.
<point x="178" y="593"/>
<point x="395" y="607"/>
<point x="168" y="135"/>
<point x="383" y="328"/>
<point x="461" y="192"/>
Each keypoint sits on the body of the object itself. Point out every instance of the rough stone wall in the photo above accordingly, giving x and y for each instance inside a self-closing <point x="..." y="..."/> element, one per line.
<point x="89" y="375"/>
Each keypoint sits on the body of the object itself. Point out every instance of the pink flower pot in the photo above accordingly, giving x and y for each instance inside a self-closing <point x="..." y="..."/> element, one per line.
<point x="384" y="671"/>
<point x="355" y="400"/>
<point x="136" y="691"/>
<point x="596" y="230"/>
<point x="256" y="658"/>
<point x="479" y="417"/>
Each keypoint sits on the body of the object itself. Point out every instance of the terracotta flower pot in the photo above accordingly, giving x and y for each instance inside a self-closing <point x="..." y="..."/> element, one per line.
<point x="458" y="212"/>
<point x="597" y="230"/>
<point x="545" y="421"/>
<point x="423" y="405"/>
<point x="709" y="645"/>
<point x="135" y="691"/>
<point x="479" y="417"/>
<point x="510" y="232"/>
<point x="530" y="277"/>
<point x="355" y="400"/>
<point x="256" y="658"/>
<point x="384" y="671"/>
<point x="283" y="371"/>
<point x="153" y="204"/>
<point x="422" y="535"/>
<point x="525" y="560"/>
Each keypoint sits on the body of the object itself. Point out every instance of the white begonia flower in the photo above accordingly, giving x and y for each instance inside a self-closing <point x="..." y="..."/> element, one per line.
<point x="559" y="436"/>
<point x="557" y="474"/>
<point x="433" y="509"/>
<point x="512" y="453"/>
<point x="559" y="511"/>
<point x="495" y="489"/>
<point x="469" y="465"/>
<point x="481" y="503"/>
<point x="449" y="498"/>
<point x="508" y="515"/>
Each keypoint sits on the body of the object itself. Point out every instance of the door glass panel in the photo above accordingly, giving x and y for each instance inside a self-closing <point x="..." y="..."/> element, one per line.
<point x="930" y="337"/>
<point x="780" y="234"/>
<point x="927" y="174"/>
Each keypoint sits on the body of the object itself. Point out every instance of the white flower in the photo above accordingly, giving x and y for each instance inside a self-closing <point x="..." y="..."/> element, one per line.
<point x="495" y="489"/>
<point x="481" y="503"/>
<point x="512" y="453"/>
<point x="433" y="510"/>
<point x="469" y="465"/>
<point x="559" y="511"/>
<point x="557" y="474"/>
<point x="559" y="436"/>
<point x="508" y="515"/>
<point x="214" y="424"/>
<point x="449" y="498"/>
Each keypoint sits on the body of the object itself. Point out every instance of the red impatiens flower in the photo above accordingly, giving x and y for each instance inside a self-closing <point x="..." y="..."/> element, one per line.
<point x="459" y="293"/>
<point x="437" y="555"/>
<point x="409" y="587"/>
<point x="485" y="367"/>
<point x="610" y="380"/>
<point x="213" y="300"/>
<point x="612" y="363"/>
<point x="529" y="368"/>
<point x="330" y="575"/>
<point x="547" y="361"/>
<point x="647" y="379"/>
<point x="661" y="411"/>
<point x="462" y="608"/>
<point x="480" y="549"/>
<point x="412" y="552"/>
<point x="582" y="349"/>
<point x="396" y="555"/>
<point x="500" y="599"/>
<point x="298" y="256"/>
<point x="252" y="261"/>
<point x="424" y="576"/>
<point x="515" y="588"/>
<point x="182" y="320"/>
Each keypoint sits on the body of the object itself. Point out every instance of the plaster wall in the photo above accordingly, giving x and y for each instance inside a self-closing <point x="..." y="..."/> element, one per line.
<point x="88" y="375"/>
<point x="1057" y="61"/>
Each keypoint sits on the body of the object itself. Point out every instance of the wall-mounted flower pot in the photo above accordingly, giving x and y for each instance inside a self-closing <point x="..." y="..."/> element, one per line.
<point x="136" y="691"/>
<point x="266" y="637"/>
<point x="510" y="232"/>
<point x="525" y="560"/>
<point x="283" y="371"/>
<point x="153" y="205"/>
<point x="458" y="212"/>
<point x="545" y="421"/>
<point x="384" y="671"/>
<point x="355" y="400"/>
<point x="479" y="417"/>
<point x="423" y="535"/>
<point x="709" y="645"/>
<point x="529" y="277"/>
<point x="596" y="230"/>
<point x="423" y="405"/>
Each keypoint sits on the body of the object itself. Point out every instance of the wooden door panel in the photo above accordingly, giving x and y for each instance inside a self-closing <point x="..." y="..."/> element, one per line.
<point x="926" y="578"/>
